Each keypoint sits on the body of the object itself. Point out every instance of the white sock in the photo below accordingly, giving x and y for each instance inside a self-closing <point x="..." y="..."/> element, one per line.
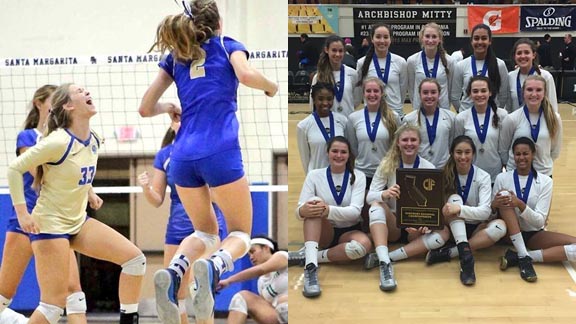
<point x="311" y="251"/>
<point x="4" y="302"/>
<point x="458" y="228"/>
<point x="398" y="254"/>
<point x="454" y="252"/>
<point x="518" y="242"/>
<point x="323" y="256"/>
<point x="180" y="264"/>
<point x="129" y="308"/>
<point x="222" y="261"/>
<point x="536" y="255"/>
<point x="382" y="252"/>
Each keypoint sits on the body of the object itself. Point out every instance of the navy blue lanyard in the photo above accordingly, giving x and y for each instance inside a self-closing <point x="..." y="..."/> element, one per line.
<point x="327" y="136"/>
<point x="481" y="132"/>
<point x="475" y="71"/>
<point x="519" y="86"/>
<point x="534" y="129"/>
<point x="519" y="194"/>
<point x="384" y="77"/>
<point x="416" y="163"/>
<point x="431" y="129"/>
<point x="338" y="196"/>
<point x="425" y="65"/>
<point x="372" y="131"/>
<point x="464" y="193"/>
<point x="339" y="90"/>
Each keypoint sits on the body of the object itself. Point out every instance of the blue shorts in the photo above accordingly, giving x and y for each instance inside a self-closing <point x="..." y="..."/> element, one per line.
<point x="46" y="236"/>
<point x="215" y="170"/>
<point x="14" y="227"/>
<point x="180" y="227"/>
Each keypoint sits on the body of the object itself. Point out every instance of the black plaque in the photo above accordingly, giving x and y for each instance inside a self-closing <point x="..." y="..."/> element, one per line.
<point x="421" y="198"/>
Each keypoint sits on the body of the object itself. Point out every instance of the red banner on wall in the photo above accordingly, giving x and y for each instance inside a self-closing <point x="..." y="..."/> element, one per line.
<point x="502" y="20"/>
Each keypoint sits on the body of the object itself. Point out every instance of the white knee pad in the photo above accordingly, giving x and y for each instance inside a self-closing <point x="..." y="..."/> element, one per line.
<point x="496" y="230"/>
<point x="51" y="312"/>
<point x="211" y="241"/>
<point x="455" y="199"/>
<point x="76" y="303"/>
<point x="282" y="312"/>
<point x="377" y="215"/>
<point x="245" y="238"/>
<point x="238" y="303"/>
<point x="570" y="251"/>
<point x="136" y="266"/>
<point x="354" y="250"/>
<point x="433" y="241"/>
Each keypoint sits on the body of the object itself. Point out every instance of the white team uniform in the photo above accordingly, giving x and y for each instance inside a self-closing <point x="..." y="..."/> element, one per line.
<point x="382" y="182"/>
<point x="533" y="218"/>
<point x="397" y="84"/>
<point x="461" y="77"/>
<point x="476" y="208"/>
<point x="274" y="284"/>
<point x="493" y="157"/>
<point x="516" y="125"/>
<point x="367" y="159"/>
<point x="348" y="103"/>
<point x="348" y="212"/>
<point x="311" y="141"/>
<point x="457" y="56"/>
<point x="438" y="152"/>
<point x="513" y="97"/>
<point x="416" y="74"/>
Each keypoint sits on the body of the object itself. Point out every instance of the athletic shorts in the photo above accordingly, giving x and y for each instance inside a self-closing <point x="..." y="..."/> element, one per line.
<point x="338" y="232"/>
<point x="528" y="235"/>
<point x="215" y="170"/>
<point x="46" y="236"/>
<point x="470" y="228"/>
<point x="177" y="232"/>
<point x="14" y="226"/>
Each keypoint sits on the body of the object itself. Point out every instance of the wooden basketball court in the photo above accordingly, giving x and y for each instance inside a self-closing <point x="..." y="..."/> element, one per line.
<point x="434" y="294"/>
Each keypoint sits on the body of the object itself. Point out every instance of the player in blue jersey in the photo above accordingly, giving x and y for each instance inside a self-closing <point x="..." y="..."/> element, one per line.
<point x="179" y="225"/>
<point x="207" y="69"/>
<point x="65" y="162"/>
<point x="17" y="251"/>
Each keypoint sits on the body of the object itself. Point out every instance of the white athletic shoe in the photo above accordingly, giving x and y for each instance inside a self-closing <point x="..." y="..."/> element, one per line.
<point x="206" y="278"/>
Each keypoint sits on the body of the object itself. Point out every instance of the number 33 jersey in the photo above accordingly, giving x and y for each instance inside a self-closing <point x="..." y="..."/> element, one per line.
<point x="69" y="166"/>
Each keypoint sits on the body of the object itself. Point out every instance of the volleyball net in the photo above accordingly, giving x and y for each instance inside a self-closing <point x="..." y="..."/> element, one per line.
<point x="117" y="84"/>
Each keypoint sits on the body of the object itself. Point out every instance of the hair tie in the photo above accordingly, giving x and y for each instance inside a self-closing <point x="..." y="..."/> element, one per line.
<point x="187" y="10"/>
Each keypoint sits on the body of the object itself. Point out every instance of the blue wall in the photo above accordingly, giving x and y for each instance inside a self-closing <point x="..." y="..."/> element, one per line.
<point x="28" y="293"/>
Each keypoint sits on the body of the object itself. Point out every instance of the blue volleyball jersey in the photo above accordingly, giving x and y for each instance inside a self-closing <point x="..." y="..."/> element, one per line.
<point x="179" y="223"/>
<point x="26" y="139"/>
<point x="207" y="90"/>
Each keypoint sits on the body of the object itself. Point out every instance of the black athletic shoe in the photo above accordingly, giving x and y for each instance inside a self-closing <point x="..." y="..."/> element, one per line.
<point x="438" y="255"/>
<point x="296" y="258"/>
<point x="509" y="259"/>
<point x="131" y="318"/>
<point x="467" y="275"/>
<point x="527" y="271"/>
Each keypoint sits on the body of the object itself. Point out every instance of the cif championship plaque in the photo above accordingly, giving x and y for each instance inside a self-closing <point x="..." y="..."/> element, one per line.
<point x="421" y="198"/>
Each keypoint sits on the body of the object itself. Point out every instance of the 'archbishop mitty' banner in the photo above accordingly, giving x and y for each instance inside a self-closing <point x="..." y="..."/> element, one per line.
<point x="552" y="18"/>
<point x="405" y="22"/>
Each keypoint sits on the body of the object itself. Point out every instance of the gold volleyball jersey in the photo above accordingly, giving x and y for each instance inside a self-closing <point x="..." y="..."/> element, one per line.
<point x="69" y="166"/>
